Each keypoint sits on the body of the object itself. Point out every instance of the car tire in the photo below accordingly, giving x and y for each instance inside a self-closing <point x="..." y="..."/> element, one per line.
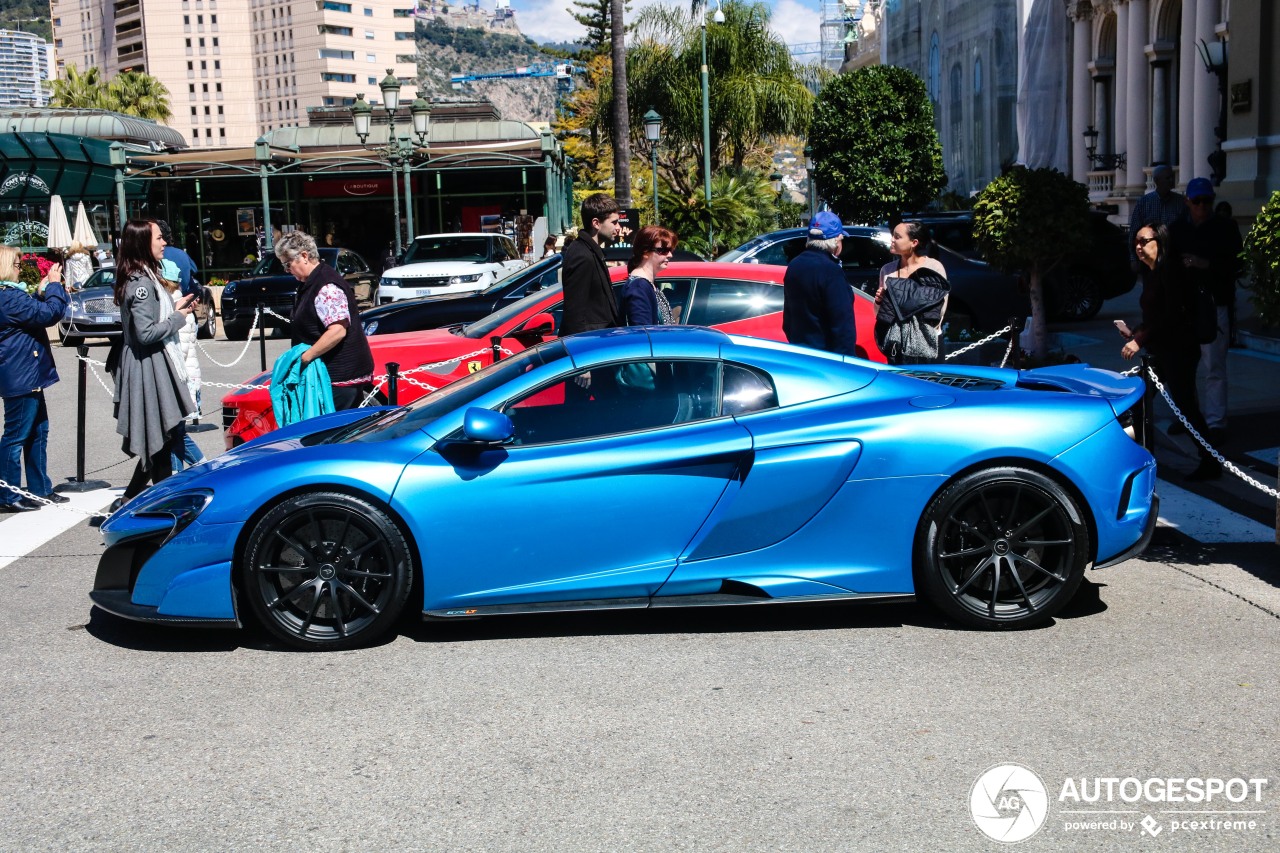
<point x="1076" y="295"/>
<point x="235" y="331"/>
<point x="207" y="330"/>
<point x="1001" y="548"/>
<point x="327" y="571"/>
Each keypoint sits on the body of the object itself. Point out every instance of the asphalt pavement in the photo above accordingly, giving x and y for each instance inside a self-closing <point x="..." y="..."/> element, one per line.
<point x="808" y="728"/>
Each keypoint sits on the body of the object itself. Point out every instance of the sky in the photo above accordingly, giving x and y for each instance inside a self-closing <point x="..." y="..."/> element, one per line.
<point x="549" y="21"/>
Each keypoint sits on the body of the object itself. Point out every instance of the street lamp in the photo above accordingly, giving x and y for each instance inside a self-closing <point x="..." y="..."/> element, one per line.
<point x="421" y="112"/>
<point x="262" y="153"/>
<point x="775" y="181"/>
<point x="1214" y="57"/>
<point x="116" y="157"/>
<point x="653" y="133"/>
<point x="808" y="172"/>
<point x="361" y="116"/>
<point x="706" y="119"/>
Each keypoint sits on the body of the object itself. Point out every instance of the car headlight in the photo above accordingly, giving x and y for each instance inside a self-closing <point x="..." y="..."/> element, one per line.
<point x="389" y="282"/>
<point x="229" y="289"/>
<point x="183" y="508"/>
<point x="371" y="327"/>
<point x="465" y="279"/>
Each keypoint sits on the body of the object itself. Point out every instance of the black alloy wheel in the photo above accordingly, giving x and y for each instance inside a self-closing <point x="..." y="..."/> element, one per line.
<point x="235" y="330"/>
<point x="326" y="570"/>
<point x="1077" y="295"/>
<point x="207" y="330"/>
<point x="1002" y="548"/>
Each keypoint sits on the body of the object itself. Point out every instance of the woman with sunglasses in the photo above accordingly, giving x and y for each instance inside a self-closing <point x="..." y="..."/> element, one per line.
<point x="1167" y="332"/>
<point x="641" y="302"/>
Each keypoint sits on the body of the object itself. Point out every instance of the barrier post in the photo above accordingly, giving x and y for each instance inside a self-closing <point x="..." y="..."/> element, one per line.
<point x="79" y="484"/>
<point x="496" y="343"/>
<point x="1015" y="332"/>
<point x="1148" y="403"/>
<point x="393" y="383"/>
<point x="262" y="337"/>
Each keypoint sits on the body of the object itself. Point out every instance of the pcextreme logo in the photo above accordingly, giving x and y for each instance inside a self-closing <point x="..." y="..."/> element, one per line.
<point x="1010" y="803"/>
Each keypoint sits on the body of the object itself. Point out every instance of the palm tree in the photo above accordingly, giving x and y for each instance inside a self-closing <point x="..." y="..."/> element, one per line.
<point x="141" y="95"/>
<point x="757" y="90"/>
<point x="621" y="112"/>
<point x="79" y="91"/>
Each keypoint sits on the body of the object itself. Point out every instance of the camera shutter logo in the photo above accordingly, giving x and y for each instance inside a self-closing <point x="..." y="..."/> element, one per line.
<point x="1009" y="803"/>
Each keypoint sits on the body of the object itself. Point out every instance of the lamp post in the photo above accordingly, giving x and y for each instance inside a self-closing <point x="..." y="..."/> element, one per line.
<point x="1101" y="162"/>
<point x="653" y="133"/>
<point x="706" y="121"/>
<point x="1214" y="57"/>
<point x="361" y="116"/>
<point x="808" y="171"/>
<point x="420" y="111"/>
<point x="118" y="160"/>
<point x="775" y="181"/>
<point x="262" y="153"/>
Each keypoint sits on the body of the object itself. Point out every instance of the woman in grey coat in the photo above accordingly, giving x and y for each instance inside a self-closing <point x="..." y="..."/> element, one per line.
<point x="151" y="398"/>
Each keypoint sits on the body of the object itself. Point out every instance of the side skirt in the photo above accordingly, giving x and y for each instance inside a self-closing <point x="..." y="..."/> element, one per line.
<point x="718" y="599"/>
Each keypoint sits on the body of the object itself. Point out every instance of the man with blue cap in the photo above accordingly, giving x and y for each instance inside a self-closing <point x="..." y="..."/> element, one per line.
<point x="817" y="306"/>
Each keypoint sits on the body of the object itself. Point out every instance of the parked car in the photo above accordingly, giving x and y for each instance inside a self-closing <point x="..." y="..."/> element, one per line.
<point x="450" y="263"/>
<point x="981" y="296"/>
<point x="92" y="311"/>
<point x="749" y="472"/>
<point x="1074" y="289"/>
<point x="736" y="298"/>
<point x="270" y="285"/>
<point x="433" y="312"/>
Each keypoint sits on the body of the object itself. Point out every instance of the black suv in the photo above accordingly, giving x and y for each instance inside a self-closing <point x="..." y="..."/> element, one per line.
<point x="1076" y="288"/>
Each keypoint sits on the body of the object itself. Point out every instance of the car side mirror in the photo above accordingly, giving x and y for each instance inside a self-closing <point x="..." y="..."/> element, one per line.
<point x="483" y="426"/>
<point x="540" y="325"/>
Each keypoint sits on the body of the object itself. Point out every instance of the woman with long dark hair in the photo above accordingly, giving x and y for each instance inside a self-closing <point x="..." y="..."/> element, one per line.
<point x="909" y="322"/>
<point x="151" y="398"/>
<point x="641" y="302"/>
<point x="1167" y="332"/>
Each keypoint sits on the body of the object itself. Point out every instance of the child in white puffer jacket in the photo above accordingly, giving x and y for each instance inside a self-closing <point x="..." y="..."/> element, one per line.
<point x="190" y="453"/>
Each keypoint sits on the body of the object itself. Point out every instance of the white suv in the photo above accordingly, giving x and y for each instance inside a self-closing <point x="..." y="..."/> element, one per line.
<point x="450" y="263"/>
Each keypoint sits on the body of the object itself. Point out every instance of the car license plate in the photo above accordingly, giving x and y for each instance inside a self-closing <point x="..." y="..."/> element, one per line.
<point x="422" y="291"/>
<point x="104" y="318"/>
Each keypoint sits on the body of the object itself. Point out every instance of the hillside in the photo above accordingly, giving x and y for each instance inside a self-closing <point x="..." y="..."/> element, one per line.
<point x="31" y="16"/>
<point x="444" y="50"/>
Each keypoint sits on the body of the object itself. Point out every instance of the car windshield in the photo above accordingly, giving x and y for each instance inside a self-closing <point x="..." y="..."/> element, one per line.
<point x="270" y="264"/>
<point x="447" y="248"/>
<point x="485" y="325"/>
<point x="422" y="412"/>
<point x="529" y="272"/>
<point x="733" y="254"/>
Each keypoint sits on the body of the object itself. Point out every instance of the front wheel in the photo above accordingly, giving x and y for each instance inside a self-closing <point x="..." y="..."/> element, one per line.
<point x="1077" y="295"/>
<point x="327" y="571"/>
<point x="235" y="331"/>
<point x="207" y="329"/>
<point x="1002" y="548"/>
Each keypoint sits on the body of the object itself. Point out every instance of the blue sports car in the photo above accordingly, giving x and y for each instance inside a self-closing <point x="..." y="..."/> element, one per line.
<point x="652" y="467"/>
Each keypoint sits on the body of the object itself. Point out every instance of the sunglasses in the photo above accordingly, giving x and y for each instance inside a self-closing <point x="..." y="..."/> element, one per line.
<point x="1142" y="241"/>
<point x="1202" y="200"/>
<point x="662" y="250"/>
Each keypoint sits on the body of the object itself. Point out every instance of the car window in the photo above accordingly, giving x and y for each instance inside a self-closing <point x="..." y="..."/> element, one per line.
<point x="781" y="252"/>
<point x="483" y="327"/>
<point x="717" y="301"/>
<point x="509" y="247"/>
<point x="747" y="390"/>
<point x="618" y="398"/>
<point x="344" y="263"/>
<point x="863" y="253"/>
<point x="447" y="247"/>
<point x="548" y="279"/>
<point x="356" y="262"/>
<point x="676" y="290"/>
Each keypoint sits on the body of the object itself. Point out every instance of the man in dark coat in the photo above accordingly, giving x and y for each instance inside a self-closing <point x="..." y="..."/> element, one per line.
<point x="588" y="293"/>
<point x="817" y="301"/>
<point x="186" y="266"/>
<point x="26" y="369"/>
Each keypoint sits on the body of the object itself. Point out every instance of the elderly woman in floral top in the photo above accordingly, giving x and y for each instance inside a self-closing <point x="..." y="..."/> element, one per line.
<point x="325" y="317"/>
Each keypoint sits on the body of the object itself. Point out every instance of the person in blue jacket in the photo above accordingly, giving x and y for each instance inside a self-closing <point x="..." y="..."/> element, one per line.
<point x="26" y="369"/>
<point x="817" y="301"/>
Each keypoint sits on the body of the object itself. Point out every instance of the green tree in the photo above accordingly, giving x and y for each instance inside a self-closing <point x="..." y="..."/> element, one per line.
<point x="743" y="204"/>
<point x="1262" y="258"/>
<point x="1027" y="220"/>
<point x="596" y="16"/>
<point x="757" y="91"/>
<point x="138" y="94"/>
<point x="80" y="91"/>
<point x="875" y="149"/>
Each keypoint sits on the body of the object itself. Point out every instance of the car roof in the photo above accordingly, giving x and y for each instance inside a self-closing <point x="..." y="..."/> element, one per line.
<point x="460" y="234"/>
<point x="711" y="269"/>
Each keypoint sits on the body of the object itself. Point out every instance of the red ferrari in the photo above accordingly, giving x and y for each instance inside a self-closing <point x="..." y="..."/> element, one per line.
<point x="743" y="299"/>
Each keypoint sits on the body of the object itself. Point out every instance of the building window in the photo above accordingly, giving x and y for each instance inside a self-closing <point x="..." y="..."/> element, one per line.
<point x="403" y="13"/>
<point x="208" y="133"/>
<point x="222" y="132"/>
<point x="204" y="87"/>
<point x="191" y="65"/>
<point x="219" y="88"/>
<point x="201" y="43"/>
<point x="368" y="34"/>
<point x="406" y="57"/>
<point x="331" y="6"/>
<point x="404" y="36"/>
<point x="213" y="19"/>
<point x="204" y="65"/>
<point x="373" y="81"/>
<point x="193" y="110"/>
<point x="191" y="88"/>
<point x="219" y="109"/>
<point x="370" y="57"/>
<point x="330" y="30"/>
<point x="188" y="42"/>
<point x="186" y="20"/>
<point x="217" y="65"/>
<point x="935" y="69"/>
<point x="332" y="77"/>
<point x="333" y="53"/>
<point x="195" y="134"/>
<point x="368" y="13"/>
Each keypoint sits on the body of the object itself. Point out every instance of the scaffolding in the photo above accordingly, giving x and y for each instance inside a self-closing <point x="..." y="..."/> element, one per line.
<point x="840" y="19"/>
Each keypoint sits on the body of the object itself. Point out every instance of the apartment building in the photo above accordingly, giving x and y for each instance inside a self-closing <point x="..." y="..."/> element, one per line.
<point x="236" y="69"/>
<point x="24" y="66"/>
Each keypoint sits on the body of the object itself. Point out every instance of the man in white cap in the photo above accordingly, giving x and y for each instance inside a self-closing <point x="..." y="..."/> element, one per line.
<point x="817" y="306"/>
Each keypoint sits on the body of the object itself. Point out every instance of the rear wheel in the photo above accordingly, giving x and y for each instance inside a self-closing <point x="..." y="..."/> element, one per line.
<point x="327" y="571"/>
<point x="1002" y="548"/>
<point x="235" y="330"/>
<point x="1077" y="295"/>
<point x="208" y="327"/>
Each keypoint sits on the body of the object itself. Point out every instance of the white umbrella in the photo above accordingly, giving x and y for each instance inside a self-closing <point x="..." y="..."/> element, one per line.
<point x="59" y="228"/>
<point x="84" y="229"/>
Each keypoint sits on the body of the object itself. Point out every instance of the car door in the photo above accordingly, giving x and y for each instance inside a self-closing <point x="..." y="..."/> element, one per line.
<point x="861" y="259"/>
<point x="597" y="495"/>
<point x="737" y="307"/>
<point x="509" y="256"/>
